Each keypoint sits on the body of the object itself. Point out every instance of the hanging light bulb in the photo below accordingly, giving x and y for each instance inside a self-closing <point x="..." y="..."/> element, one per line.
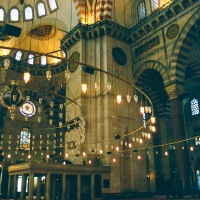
<point x="150" y="109"/>
<point x="14" y="97"/>
<point x="48" y="75"/>
<point x="60" y="115"/>
<point x="26" y="117"/>
<point x="119" y="99"/>
<point x="28" y="98"/>
<point x="39" y="110"/>
<point x="61" y="106"/>
<point x="153" y="128"/>
<point x="153" y="120"/>
<point x="27" y="76"/>
<point x="60" y="124"/>
<point x="68" y="126"/>
<point x="96" y="86"/>
<point x="146" y="108"/>
<point x="128" y="98"/>
<point x="135" y="97"/>
<point x="6" y="63"/>
<point x="142" y="109"/>
<point x="67" y="74"/>
<point x="51" y="113"/>
<point x="84" y="87"/>
<point x="40" y="100"/>
<point x="39" y="119"/>
<point x="108" y="86"/>
<point x="50" y="122"/>
<point x="51" y="104"/>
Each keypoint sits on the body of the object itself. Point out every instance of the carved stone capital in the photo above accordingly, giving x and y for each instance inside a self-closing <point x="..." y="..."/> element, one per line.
<point x="174" y="91"/>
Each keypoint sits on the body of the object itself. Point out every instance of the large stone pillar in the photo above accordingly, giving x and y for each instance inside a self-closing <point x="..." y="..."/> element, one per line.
<point x="15" y="187"/>
<point x="79" y="187"/>
<point x="10" y="187"/>
<point x="39" y="185"/>
<point x="23" y="188"/>
<point x="31" y="185"/>
<point x="48" y="184"/>
<point x="64" y="187"/>
<point x="181" y="155"/>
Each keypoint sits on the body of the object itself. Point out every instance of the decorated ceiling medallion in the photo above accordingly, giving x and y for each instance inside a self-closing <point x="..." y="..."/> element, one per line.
<point x="73" y="66"/>
<point x="43" y="32"/>
<point x="28" y="109"/>
<point x="119" y="56"/>
<point x="172" y="31"/>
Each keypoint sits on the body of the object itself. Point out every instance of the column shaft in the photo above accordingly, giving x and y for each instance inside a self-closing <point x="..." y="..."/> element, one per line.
<point x="39" y="184"/>
<point x="64" y="187"/>
<point x="182" y="156"/>
<point x="23" y="187"/>
<point x="48" y="184"/>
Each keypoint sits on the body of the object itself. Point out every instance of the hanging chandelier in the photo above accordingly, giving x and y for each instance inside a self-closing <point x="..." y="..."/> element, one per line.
<point x="12" y="97"/>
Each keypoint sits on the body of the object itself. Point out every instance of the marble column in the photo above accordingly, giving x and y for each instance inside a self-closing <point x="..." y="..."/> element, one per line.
<point x="39" y="185"/>
<point x="15" y="187"/>
<point x="54" y="187"/>
<point x="48" y="184"/>
<point x="64" y="187"/>
<point x="92" y="186"/>
<point x="31" y="184"/>
<point x="23" y="188"/>
<point x="182" y="157"/>
<point x="79" y="187"/>
<point x="10" y="187"/>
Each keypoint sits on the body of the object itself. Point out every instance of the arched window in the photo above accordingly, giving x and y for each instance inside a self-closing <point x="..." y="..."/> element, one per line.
<point x="41" y="9"/>
<point x="43" y="60"/>
<point x="53" y="5"/>
<point x="25" y="139"/>
<point x="154" y="4"/>
<point x="194" y="107"/>
<point x="18" y="55"/>
<point x="28" y="13"/>
<point x="141" y="10"/>
<point x="2" y="14"/>
<point x="14" y="15"/>
<point x="30" y="59"/>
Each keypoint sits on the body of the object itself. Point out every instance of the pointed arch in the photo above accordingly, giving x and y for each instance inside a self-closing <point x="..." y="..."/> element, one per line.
<point x="182" y="46"/>
<point x="156" y="65"/>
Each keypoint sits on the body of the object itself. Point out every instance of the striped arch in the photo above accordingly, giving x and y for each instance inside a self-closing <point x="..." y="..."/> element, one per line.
<point x="182" y="47"/>
<point x="150" y="78"/>
<point x="153" y="64"/>
<point x="102" y="10"/>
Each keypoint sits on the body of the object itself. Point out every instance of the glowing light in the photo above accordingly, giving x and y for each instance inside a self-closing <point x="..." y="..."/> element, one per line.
<point x="128" y="98"/>
<point x="142" y="109"/>
<point x="27" y="76"/>
<point x="153" y="120"/>
<point x="166" y="153"/>
<point x="119" y="99"/>
<point x="84" y="87"/>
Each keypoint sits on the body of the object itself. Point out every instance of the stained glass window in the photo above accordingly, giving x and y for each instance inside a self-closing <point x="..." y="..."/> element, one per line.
<point x="141" y="10"/>
<point x="18" y="55"/>
<point x="2" y="14"/>
<point x="53" y="5"/>
<point x="41" y="9"/>
<point x="28" y="13"/>
<point x="14" y="15"/>
<point x="195" y="107"/>
<point x="25" y="136"/>
<point x="154" y="4"/>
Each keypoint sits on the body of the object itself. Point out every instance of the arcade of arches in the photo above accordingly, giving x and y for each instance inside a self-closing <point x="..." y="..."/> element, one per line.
<point x="61" y="142"/>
